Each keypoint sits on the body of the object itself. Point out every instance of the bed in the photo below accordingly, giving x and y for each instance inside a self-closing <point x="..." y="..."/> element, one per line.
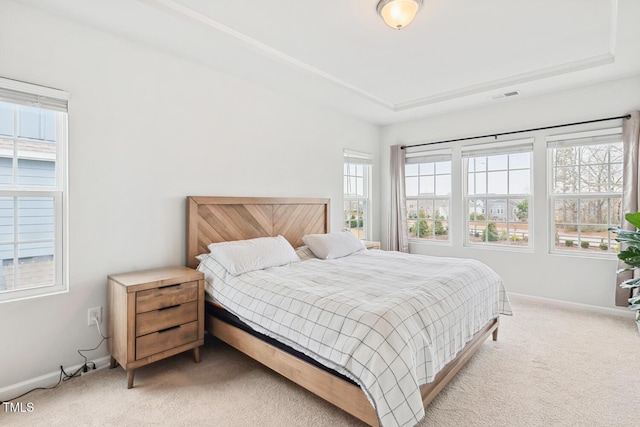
<point x="231" y="219"/>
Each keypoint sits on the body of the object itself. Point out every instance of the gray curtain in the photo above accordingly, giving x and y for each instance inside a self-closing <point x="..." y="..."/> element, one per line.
<point x="630" y="191"/>
<point x="398" y="236"/>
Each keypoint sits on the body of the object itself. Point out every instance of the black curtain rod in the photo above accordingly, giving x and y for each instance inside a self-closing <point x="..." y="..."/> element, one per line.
<point x="496" y="135"/>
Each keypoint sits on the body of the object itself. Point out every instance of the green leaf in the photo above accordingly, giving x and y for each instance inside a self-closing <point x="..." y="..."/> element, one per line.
<point x="622" y="232"/>
<point x="622" y="270"/>
<point x="633" y="218"/>
<point x="622" y="285"/>
<point x="631" y="237"/>
<point x="634" y="300"/>
<point x="635" y="307"/>
<point x="631" y="283"/>
<point x="630" y="257"/>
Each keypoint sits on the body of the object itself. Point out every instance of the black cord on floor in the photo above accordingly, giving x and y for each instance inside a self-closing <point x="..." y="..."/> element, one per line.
<point x="63" y="375"/>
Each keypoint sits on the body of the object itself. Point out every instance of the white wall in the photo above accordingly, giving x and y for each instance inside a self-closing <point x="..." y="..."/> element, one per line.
<point x="579" y="280"/>
<point x="145" y="130"/>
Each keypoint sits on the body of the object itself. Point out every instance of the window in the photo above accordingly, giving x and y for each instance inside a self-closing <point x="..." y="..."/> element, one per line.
<point x="32" y="190"/>
<point x="585" y="190"/>
<point x="498" y="194"/>
<point x="428" y="194"/>
<point x="357" y="199"/>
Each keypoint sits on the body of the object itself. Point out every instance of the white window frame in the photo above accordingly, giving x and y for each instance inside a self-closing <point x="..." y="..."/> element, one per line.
<point x="16" y="92"/>
<point x="490" y="149"/>
<point x="432" y="156"/>
<point x="579" y="139"/>
<point x="352" y="157"/>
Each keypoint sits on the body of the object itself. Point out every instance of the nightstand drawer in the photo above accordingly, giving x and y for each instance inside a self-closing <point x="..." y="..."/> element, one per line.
<point x="166" y="296"/>
<point x="160" y="341"/>
<point x="163" y="318"/>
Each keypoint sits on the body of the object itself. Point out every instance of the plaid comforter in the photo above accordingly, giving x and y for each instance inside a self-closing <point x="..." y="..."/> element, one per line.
<point x="388" y="320"/>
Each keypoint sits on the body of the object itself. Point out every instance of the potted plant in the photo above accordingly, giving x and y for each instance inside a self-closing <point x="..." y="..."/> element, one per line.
<point x="630" y="256"/>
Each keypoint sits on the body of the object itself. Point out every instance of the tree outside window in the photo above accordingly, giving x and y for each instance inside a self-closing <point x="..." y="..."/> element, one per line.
<point x="498" y="194"/>
<point x="428" y="195"/>
<point x="586" y="193"/>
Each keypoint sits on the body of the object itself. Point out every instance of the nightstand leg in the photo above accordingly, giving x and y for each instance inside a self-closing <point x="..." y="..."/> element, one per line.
<point x="112" y="363"/>
<point x="196" y="354"/>
<point x="495" y="334"/>
<point x="130" y="374"/>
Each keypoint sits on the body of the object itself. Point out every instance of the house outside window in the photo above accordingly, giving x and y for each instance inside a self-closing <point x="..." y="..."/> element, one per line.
<point x="357" y="193"/>
<point x="585" y="177"/>
<point x="33" y="191"/>
<point x="428" y="195"/>
<point x="498" y="193"/>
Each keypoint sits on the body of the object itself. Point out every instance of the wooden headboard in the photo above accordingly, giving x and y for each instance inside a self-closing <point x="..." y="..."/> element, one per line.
<point x="222" y="219"/>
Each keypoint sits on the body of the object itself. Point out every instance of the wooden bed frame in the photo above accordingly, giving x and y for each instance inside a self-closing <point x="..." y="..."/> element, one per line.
<point x="218" y="219"/>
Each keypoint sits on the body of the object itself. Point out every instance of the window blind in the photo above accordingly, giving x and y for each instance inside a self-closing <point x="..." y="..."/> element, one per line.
<point x="510" y="147"/>
<point x="36" y="96"/>
<point x="603" y="136"/>
<point x="356" y="157"/>
<point x="427" y="156"/>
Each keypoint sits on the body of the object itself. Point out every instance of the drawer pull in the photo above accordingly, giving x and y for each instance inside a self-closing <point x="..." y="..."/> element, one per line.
<point x="169" y="286"/>
<point x="169" y="329"/>
<point x="171" y="306"/>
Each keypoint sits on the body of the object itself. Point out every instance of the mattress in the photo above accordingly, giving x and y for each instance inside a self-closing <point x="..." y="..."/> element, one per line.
<point x="225" y="316"/>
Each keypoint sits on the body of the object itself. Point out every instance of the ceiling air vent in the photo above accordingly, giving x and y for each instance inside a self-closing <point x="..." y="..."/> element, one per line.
<point x="506" y="95"/>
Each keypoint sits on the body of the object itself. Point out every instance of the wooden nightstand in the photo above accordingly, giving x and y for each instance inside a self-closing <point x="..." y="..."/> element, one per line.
<point x="371" y="244"/>
<point x="154" y="314"/>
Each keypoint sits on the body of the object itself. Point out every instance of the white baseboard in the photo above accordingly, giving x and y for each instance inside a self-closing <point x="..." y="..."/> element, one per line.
<point x="620" y="312"/>
<point x="46" y="380"/>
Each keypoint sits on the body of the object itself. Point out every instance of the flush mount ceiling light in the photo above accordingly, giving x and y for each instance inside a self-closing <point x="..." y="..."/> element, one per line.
<point x="398" y="13"/>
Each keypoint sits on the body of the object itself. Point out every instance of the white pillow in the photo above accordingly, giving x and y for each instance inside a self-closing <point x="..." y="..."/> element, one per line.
<point x="241" y="256"/>
<point x="333" y="245"/>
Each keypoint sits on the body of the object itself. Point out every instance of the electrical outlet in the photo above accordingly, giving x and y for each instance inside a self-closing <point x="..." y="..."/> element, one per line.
<point x="94" y="313"/>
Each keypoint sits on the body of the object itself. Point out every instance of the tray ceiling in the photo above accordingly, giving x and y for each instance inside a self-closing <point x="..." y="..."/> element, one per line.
<point x="456" y="54"/>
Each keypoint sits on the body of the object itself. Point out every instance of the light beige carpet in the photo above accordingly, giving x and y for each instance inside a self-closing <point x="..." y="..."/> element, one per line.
<point x="550" y="367"/>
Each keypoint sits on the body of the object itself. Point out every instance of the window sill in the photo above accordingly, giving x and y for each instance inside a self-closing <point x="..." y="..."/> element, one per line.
<point x="23" y="294"/>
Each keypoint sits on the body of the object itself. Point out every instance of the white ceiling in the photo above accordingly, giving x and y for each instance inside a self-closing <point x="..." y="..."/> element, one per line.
<point x="456" y="54"/>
